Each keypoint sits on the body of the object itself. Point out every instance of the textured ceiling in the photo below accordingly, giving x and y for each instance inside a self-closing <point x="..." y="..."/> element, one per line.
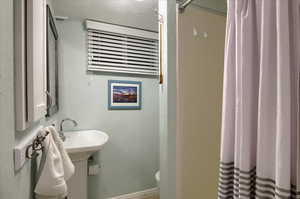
<point x="126" y="12"/>
<point x="137" y="13"/>
<point x="217" y="5"/>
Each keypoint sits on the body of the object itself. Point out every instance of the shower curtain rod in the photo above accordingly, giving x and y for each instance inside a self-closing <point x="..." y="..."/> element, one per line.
<point x="184" y="4"/>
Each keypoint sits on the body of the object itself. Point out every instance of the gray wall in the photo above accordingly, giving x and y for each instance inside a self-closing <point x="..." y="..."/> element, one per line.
<point x="168" y="103"/>
<point x="16" y="186"/>
<point x="13" y="185"/>
<point x="200" y="67"/>
<point x="130" y="158"/>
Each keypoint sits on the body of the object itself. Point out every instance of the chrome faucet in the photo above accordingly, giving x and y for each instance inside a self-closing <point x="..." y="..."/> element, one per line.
<point x="61" y="132"/>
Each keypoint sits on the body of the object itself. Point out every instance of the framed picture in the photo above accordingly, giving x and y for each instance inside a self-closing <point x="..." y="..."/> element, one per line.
<point x="124" y="95"/>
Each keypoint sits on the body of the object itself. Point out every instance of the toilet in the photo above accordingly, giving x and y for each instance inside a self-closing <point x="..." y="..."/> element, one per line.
<point x="157" y="178"/>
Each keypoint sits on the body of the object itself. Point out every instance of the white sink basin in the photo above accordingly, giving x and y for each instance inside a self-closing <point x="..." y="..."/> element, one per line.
<point x="81" y="144"/>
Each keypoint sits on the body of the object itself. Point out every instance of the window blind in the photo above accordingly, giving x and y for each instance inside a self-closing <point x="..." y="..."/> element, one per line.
<point x="113" y="48"/>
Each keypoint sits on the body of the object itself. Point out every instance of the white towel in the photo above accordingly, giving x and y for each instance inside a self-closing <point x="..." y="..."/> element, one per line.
<point x="56" y="169"/>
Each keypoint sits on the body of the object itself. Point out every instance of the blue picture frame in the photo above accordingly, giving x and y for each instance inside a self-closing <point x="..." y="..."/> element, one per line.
<point x="124" y="95"/>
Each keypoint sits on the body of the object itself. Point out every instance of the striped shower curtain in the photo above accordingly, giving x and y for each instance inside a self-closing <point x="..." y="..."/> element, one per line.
<point x="260" y="147"/>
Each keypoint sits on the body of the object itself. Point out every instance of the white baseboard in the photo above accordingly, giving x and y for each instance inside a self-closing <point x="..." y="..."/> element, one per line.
<point x="138" y="195"/>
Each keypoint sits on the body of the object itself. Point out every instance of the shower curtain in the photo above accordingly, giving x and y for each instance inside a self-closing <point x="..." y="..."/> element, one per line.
<point x="260" y="146"/>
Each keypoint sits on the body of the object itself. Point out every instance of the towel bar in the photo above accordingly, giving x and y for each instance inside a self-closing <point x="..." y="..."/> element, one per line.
<point x="37" y="145"/>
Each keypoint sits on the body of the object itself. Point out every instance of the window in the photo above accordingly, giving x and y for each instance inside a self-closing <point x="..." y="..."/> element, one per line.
<point x="113" y="48"/>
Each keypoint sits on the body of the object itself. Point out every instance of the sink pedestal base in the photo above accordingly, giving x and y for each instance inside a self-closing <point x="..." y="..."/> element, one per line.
<point x="77" y="184"/>
<point x="80" y="145"/>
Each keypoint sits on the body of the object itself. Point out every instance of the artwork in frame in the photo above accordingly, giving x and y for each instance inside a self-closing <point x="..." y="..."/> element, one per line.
<point x="124" y="95"/>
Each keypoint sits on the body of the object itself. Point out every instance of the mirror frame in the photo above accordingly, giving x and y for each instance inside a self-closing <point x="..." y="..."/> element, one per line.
<point x="52" y="108"/>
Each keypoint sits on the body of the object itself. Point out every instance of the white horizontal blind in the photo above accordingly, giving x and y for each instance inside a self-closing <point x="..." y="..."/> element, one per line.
<point x="112" y="50"/>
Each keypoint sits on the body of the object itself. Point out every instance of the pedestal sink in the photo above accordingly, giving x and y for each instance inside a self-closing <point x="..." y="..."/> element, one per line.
<point x="80" y="145"/>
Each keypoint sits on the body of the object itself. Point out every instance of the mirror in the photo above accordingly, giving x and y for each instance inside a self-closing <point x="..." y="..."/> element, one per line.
<point x="52" y="65"/>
